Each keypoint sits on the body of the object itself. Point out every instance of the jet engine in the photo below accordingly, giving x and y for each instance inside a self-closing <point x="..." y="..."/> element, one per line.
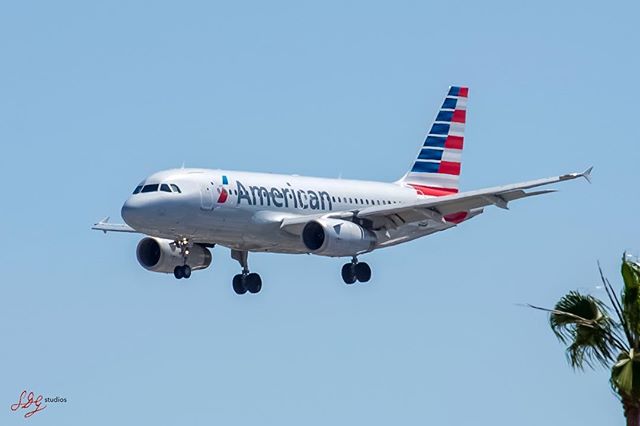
<point x="160" y="255"/>
<point x="337" y="238"/>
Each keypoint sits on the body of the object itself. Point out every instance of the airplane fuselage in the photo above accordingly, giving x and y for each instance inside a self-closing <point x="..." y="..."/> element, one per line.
<point x="242" y="210"/>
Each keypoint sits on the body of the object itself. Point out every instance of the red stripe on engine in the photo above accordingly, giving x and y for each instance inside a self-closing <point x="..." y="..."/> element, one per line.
<point x="449" y="168"/>
<point x="223" y="196"/>
<point x="456" y="217"/>
<point x="454" y="142"/>
<point x="459" y="116"/>
<point x="433" y="190"/>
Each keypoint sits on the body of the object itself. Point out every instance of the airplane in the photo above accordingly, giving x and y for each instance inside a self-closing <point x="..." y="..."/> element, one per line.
<point x="185" y="212"/>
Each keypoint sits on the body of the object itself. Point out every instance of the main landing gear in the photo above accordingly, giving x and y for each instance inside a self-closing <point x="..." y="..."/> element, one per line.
<point x="246" y="281"/>
<point x="356" y="271"/>
<point x="184" y="270"/>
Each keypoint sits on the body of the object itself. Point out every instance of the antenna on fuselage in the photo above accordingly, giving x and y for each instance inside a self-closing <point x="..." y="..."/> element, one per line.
<point x="182" y="167"/>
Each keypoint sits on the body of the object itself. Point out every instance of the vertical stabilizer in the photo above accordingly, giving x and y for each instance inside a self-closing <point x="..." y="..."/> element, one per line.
<point x="436" y="171"/>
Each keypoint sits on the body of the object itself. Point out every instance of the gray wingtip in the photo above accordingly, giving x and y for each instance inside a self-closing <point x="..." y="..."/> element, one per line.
<point x="587" y="174"/>
<point x="102" y="222"/>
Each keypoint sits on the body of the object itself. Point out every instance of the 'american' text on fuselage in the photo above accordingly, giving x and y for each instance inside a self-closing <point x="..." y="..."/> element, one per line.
<point x="284" y="197"/>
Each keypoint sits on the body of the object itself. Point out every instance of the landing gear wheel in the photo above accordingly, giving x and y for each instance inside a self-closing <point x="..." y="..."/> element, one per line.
<point x="362" y="272"/>
<point x="238" y="284"/>
<point x="253" y="283"/>
<point x="246" y="281"/>
<point x="178" y="272"/>
<point x="186" y="271"/>
<point x="348" y="273"/>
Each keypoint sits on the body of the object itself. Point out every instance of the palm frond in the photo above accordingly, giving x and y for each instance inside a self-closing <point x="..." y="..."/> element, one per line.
<point x="574" y="309"/>
<point x="631" y="296"/>
<point x="617" y="307"/>
<point x="583" y="322"/>
<point x="591" y="346"/>
<point x="625" y="375"/>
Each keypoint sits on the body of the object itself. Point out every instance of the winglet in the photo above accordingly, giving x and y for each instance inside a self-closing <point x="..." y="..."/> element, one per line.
<point x="587" y="174"/>
<point x="102" y="222"/>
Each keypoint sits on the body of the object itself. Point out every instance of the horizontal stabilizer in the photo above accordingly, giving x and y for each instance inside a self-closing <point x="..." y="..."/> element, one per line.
<point x="105" y="226"/>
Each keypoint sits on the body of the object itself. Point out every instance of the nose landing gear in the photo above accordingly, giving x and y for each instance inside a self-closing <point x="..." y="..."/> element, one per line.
<point x="356" y="271"/>
<point x="246" y="281"/>
<point x="184" y="270"/>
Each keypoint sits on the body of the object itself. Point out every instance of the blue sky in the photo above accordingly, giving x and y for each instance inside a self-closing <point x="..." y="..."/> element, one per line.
<point x="95" y="96"/>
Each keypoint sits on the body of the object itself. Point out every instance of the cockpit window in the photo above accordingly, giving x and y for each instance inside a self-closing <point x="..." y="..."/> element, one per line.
<point x="138" y="189"/>
<point x="175" y="188"/>
<point x="164" y="187"/>
<point x="150" y="188"/>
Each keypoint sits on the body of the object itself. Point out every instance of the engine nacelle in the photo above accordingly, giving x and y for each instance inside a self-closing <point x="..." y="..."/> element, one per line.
<point x="337" y="238"/>
<point x="160" y="255"/>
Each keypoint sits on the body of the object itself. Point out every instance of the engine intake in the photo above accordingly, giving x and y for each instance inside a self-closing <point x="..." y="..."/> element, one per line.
<point x="160" y="255"/>
<point x="337" y="238"/>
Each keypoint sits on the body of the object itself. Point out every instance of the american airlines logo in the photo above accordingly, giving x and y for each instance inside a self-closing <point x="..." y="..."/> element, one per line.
<point x="287" y="197"/>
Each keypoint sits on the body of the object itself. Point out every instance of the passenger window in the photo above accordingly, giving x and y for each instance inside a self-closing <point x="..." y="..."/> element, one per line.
<point x="150" y="188"/>
<point x="138" y="189"/>
<point x="175" y="188"/>
<point x="164" y="187"/>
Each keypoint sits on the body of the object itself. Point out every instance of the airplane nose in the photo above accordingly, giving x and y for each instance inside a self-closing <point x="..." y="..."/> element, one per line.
<point x="131" y="212"/>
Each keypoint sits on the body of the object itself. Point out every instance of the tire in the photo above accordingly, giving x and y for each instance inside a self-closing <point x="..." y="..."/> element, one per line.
<point x="362" y="272"/>
<point x="238" y="285"/>
<point x="186" y="271"/>
<point x="348" y="273"/>
<point x="178" y="272"/>
<point x="253" y="282"/>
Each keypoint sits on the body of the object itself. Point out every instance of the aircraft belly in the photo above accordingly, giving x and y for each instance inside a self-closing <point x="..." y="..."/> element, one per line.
<point x="239" y="229"/>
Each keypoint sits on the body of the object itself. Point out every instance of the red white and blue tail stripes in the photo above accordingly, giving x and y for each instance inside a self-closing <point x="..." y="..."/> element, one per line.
<point x="436" y="171"/>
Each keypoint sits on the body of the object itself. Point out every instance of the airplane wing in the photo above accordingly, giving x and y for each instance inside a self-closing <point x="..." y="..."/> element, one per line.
<point x="105" y="226"/>
<point x="444" y="209"/>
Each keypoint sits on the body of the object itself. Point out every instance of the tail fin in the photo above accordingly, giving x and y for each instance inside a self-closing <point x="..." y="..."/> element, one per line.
<point x="436" y="171"/>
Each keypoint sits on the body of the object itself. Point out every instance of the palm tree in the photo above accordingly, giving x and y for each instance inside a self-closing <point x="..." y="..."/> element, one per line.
<point x="594" y="337"/>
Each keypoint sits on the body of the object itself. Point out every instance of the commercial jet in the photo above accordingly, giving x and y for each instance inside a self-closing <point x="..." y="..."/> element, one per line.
<point x="185" y="212"/>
